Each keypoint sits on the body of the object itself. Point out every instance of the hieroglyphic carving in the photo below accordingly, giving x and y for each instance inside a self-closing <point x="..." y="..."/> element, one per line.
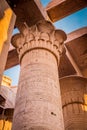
<point x="38" y="103"/>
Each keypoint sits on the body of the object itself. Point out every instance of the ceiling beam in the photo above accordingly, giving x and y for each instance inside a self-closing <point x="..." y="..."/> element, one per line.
<point x="58" y="9"/>
<point x="12" y="59"/>
<point x="28" y="12"/>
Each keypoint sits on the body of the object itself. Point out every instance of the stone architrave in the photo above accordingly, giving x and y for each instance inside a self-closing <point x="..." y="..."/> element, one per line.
<point x="38" y="102"/>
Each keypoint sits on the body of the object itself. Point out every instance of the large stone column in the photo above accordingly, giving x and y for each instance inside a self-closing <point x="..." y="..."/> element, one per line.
<point x="74" y="102"/>
<point x="38" y="103"/>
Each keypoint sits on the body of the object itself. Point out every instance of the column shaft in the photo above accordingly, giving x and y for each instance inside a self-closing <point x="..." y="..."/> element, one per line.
<point x="38" y="104"/>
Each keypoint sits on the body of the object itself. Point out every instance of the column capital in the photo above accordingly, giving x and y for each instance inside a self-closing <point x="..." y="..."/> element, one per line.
<point x="42" y="35"/>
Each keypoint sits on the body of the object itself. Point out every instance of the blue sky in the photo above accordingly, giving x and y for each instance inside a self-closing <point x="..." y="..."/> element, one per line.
<point x="68" y="24"/>
<point x="73" y="22"/>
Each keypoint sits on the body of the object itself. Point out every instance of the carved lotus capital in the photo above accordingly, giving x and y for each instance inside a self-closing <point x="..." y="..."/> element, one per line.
<point x="42" y="35"/>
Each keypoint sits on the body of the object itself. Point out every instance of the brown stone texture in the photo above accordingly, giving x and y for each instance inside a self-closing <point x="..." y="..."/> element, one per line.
<point x="58" y="9"/>
<point x="38" y="102"/>
<point x="74" y="102"/>
<point x="70" y="63"/>
<point x="28" y="12"/>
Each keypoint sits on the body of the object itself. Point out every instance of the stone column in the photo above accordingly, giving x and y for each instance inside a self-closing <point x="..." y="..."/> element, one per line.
<point x="7" y="21"/>
<point x="38" y="102"/>
<point x="74" y="102"/>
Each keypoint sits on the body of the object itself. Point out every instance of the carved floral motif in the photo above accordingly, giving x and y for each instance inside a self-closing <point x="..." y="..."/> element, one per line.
<point x="42" y="35"/>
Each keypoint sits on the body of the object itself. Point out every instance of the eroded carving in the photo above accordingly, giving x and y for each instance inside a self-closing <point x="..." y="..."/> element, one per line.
<point x="42" y="35"/>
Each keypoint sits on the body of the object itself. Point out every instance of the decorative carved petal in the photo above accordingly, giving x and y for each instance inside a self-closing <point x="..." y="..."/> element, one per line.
<point x="17" y="40"/>
<point x="45" y="26"/>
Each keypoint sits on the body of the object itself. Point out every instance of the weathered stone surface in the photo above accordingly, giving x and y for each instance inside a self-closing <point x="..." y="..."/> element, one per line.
<point x="58" y="9"/>
<point x="38" y="103"/>
<point x="74" y="102"/>
<point x="70" y="63"/>
<point x="9" y="95"/>
<point x="28" y="12"/>
<point x="7" y="19"/>
<point x="76" y="45"/>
